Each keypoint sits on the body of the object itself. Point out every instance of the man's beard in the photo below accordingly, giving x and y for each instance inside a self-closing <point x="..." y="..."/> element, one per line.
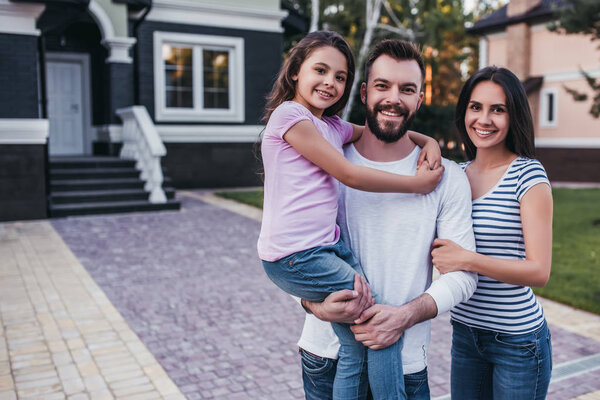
<point x="388" y="131"/>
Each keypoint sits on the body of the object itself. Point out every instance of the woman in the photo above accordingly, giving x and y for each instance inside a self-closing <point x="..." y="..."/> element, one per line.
<point x="501" y="345"/>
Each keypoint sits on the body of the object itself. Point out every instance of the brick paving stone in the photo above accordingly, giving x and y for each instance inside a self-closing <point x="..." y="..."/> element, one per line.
<point x="190" y="286"/>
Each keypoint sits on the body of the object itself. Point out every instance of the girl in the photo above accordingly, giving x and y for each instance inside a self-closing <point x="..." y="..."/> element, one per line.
<point x="501" y="344"/>
<point x="302" y="155"/>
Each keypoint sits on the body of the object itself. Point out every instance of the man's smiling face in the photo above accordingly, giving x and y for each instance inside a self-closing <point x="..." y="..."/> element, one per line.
<point x="392" y="96"/>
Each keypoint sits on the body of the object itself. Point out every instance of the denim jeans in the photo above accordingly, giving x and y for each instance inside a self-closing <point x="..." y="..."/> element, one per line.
<point x="312" y="275"/>
<point x="318" y="374"/>
<point x="488" y="364"/>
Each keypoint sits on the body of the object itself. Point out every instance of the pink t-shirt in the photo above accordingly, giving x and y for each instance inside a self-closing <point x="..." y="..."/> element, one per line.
<point x="300" y="204"/>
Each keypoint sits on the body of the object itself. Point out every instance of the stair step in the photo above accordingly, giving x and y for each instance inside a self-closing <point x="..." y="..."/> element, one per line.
<point x="94" y="173"/>
<point x="90" y="162"/>
<point x="113" y="207"/>
<point x="58" y="185"/>
<point x="94" y="196"/>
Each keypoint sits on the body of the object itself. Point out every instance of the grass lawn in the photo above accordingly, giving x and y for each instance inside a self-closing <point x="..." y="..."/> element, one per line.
<point x="575" y="278"/>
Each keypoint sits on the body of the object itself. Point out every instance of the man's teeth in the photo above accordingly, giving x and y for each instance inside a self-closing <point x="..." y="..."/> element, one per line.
<point x="483" y="132"/>
<point x="390" y="114"/>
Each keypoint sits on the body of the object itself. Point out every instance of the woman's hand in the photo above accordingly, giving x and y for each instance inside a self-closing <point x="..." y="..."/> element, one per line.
<point x="447" y="256"/>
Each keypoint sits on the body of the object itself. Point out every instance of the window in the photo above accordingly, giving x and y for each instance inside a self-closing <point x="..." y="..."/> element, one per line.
<point x="198" y="77"/>
<point x="548" y="108"/>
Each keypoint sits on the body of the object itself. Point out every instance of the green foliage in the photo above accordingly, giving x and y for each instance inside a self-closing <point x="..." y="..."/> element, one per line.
<point x="575" y="277"/>
<point x="581" y="17"/>
<point x="250" y="197"/>
<point x="438" y="122"/>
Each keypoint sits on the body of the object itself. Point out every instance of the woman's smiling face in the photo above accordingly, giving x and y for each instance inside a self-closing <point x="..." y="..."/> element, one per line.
<point x="486" y="119"/>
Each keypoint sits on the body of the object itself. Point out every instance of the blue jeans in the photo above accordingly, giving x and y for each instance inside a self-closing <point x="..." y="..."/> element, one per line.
<point x="315" y="273"/>
<point x="318" y="374"/>
<point x="488" y="364"/>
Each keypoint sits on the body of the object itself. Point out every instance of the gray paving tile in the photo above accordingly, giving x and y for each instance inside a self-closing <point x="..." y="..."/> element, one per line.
<point x="191" y="286"/>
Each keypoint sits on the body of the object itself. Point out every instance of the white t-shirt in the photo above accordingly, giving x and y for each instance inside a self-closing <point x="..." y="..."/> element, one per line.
<point x="391" y="235"/>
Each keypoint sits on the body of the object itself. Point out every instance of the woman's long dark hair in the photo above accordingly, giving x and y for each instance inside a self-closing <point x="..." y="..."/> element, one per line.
<point x="284" y="88"/>
<point x="520" y="138"/>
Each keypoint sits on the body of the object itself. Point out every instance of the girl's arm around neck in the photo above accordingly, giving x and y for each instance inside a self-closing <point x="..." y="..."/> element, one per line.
<point x="534" y="270"/>
<point x="430" y="149"/>
<point x="357" y="131"/>
<point x="307" y="141"/>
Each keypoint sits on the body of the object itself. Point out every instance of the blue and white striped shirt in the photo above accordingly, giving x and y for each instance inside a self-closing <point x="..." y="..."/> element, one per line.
<point x="496" y="305"/>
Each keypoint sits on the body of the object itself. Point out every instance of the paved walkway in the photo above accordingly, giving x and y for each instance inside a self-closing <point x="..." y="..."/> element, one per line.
<point x="175" y="304"/>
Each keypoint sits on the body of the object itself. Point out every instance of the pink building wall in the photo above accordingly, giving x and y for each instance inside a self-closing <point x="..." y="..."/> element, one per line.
<point x="557" y="59"/>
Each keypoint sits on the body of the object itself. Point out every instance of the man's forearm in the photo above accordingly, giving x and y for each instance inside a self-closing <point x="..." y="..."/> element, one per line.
<point x="420" y="309"/>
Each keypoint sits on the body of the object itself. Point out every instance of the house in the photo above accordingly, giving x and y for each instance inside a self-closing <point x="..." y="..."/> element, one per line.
<point x="516" y="36"/>
<point x="70" y="70"/>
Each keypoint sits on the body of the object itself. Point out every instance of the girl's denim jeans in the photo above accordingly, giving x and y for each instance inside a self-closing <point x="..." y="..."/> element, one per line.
<point x="315" y="273"/>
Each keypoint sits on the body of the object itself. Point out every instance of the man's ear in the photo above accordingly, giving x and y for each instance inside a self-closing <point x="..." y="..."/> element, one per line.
<point x="363" y="92"/>
<point x="421" y="94"/>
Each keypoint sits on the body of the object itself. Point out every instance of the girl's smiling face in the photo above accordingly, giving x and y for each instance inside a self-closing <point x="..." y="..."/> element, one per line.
<point x="486" y="119"/>
<point x="321" y="80"/>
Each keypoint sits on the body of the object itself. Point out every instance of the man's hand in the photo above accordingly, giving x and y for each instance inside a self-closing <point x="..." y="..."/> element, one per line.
<point x="381" y="325"/>
<point x="345" y="305"/>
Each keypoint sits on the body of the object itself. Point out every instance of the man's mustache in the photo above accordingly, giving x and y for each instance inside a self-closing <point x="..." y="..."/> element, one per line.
<point x="399" y="110"/>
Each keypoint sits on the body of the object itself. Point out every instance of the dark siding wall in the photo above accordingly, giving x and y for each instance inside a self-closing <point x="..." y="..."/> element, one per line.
<point x="570" y="165"/>
<point x="22" y="182"/>
<point x="119" y="91"/>
<point x="262" y="61"/>
<point x="18" y="76"/>
<point x="192" y="165"/>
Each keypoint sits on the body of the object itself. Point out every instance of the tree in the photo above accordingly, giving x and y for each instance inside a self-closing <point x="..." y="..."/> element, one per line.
<point x="581" y="16"/>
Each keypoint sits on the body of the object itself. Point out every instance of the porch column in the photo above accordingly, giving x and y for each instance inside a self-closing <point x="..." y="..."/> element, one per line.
<point x="119" y="76"/>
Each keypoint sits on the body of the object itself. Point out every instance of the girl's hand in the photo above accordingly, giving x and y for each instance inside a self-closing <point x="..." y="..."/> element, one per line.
<point x="447" y="256"/>
<point x="431" y="153"/>
<point x="427" y="178"/>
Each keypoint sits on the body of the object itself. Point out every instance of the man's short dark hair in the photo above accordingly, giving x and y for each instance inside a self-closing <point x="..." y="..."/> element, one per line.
<point x="398" y="50"/>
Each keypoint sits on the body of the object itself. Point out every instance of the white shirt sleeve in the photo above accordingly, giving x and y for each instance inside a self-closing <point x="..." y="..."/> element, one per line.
<point x="454" y="222"/>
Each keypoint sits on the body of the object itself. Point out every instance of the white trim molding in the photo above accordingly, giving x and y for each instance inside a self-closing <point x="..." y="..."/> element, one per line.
<point x="196" y="13"/>
<point x="109" y="133"/>
<point x="548" y="117"/>
<point x="571" y="75"/>
<point x="20" y="18"/>
<point x="210" y="133"/>
<point x="23" y="131"/>
<point x="235" y="48"/>
<point x="118" y="48"/>
<point x="102" y="19"/>
<point x="568" y="143"/>
<point x="483" y="52"/>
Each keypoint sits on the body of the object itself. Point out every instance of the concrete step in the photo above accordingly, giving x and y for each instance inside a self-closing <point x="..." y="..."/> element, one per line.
<point x="112" y="207"/>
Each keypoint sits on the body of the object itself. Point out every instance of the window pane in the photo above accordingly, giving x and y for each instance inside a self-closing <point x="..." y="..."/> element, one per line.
<point x="216" y="79"/>
<point x="179" y="82"/>
<point x="550" y="107"/>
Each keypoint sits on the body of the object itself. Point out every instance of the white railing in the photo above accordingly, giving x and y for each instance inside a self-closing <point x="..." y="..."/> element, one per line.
<point x="142" y="143"/>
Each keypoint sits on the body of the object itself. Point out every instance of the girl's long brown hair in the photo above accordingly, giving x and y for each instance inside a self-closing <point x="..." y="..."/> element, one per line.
<point x="284" y="88"/>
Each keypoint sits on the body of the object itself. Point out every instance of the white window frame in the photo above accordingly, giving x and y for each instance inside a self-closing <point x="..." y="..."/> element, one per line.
<point x="544" y="117"/>
<point x="233" y="45"/>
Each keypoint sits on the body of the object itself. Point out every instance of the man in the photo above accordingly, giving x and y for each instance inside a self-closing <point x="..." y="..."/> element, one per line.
<point x="391" y="234"/>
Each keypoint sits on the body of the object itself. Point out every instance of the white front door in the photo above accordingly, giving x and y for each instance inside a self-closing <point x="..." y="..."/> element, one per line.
<point x="65" y="107"/>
